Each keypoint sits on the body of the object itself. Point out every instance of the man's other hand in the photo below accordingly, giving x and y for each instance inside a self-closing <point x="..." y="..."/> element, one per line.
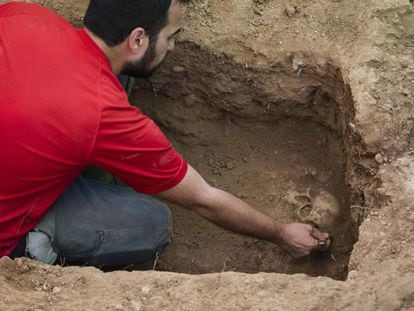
<point x="300" y="240"/>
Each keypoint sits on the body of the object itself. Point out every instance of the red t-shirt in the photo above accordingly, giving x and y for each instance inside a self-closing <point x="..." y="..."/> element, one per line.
<point x="61" y="109"/>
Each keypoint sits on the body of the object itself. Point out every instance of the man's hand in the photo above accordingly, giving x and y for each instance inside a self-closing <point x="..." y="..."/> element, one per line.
<point x="300" y="240"/>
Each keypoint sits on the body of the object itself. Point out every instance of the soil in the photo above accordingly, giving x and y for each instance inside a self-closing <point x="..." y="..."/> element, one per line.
<point x="267" y="97"/>
<point x="260" y="162"/>
<point x="261" y="168"/>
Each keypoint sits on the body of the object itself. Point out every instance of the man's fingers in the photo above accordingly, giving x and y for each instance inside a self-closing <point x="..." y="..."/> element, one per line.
<point x="301" y="240"/>
<point x="319" y="235"/>
<point x="322" y="239"/>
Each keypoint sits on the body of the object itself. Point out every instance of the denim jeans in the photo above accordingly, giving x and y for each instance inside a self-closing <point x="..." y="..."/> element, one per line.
<point x="100" y="224"/>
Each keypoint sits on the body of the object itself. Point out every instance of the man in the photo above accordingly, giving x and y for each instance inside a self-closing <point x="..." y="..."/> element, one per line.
<point x="62" y="109"/>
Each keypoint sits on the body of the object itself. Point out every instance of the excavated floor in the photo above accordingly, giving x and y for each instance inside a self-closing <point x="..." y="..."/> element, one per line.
<point x="262" y="164"/>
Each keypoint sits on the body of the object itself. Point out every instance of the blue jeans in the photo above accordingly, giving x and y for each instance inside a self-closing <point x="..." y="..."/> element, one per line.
<point x="100" y="224"/>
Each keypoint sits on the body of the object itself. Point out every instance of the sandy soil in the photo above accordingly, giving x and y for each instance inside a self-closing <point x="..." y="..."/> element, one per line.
<point x="253" y="87"/>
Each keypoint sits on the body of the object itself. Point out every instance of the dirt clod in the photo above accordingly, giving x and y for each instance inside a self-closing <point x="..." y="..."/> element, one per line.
<point x="290" y="10"/>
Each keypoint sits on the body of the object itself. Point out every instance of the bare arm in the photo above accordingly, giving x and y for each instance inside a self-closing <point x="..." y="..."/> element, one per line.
<point x="233" y="214"/>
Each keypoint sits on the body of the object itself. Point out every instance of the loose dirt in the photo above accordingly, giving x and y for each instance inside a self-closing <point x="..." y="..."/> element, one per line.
<point x="265" y="98"/>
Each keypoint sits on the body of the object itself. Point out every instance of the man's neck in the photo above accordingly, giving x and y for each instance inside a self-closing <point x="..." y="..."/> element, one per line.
<point x="111" y="52"/>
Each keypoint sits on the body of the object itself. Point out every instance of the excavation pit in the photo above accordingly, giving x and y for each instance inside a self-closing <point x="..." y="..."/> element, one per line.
<point x="261" y="135"/>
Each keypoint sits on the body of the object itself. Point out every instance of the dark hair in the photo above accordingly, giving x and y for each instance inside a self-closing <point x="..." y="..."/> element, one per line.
<point x="113" y="20"/>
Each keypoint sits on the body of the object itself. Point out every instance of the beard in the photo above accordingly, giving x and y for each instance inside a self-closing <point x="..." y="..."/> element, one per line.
<point x="141" y="69"/>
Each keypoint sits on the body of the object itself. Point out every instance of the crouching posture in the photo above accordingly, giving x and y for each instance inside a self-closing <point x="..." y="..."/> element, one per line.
<point x="62" y="109"/>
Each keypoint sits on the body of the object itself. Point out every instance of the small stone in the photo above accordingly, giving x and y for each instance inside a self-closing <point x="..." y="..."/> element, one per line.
<point x="216" y="172"/>
<point x="382" y="191"/>
<point x="229" y="165"/>
<point x="145" y="290"/>
<point x="379" y="158"/>
<point x="311" y="171"/>
<point x="189" y="101"/>
<point x="290" y="10"/>
<point x="19" y="262"/>
<point x="178" y="69"/>
<point x="297" y="64"/>
<point x="56" y="290"/>
<point x="257" y="12"/>
<point x="137" y="305"/>
<point x="23" y="269"/>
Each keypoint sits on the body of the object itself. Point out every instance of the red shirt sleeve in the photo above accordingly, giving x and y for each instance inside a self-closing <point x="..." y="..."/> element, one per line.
<point x="130" y="146"/>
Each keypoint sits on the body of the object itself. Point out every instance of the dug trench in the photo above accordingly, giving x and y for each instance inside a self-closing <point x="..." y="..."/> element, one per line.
<point x="267" y="133"/>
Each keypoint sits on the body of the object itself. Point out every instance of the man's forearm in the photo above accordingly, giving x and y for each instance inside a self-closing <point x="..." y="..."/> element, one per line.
<point x="222" y="208"/>
<point x="229" y="212"/>
<point x="233" y="214"/>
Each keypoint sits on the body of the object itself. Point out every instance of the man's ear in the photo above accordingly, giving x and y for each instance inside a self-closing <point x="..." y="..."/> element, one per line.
<point x="138" y="42"/>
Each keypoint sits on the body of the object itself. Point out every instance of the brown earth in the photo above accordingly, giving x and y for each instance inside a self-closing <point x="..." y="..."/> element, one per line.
<point x="264" y="97"/>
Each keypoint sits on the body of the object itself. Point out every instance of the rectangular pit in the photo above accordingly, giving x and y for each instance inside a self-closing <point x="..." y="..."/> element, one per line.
<point x="258" y="141"/>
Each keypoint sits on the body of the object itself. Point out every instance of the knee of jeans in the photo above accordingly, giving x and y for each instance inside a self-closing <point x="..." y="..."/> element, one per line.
<point x="162" y="217"/>
<point x="164" y="214"/>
